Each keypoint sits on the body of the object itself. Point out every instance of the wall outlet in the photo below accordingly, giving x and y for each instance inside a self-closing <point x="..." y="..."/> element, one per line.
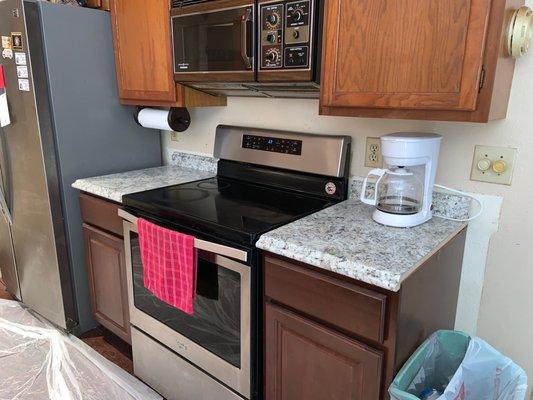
<point x="174" y="136"/>
<point x="493" y="164"/>
<point x="373" y="157"/>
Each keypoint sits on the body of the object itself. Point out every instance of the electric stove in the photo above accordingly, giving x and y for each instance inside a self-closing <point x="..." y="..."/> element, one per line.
<point x="265" y="179"/>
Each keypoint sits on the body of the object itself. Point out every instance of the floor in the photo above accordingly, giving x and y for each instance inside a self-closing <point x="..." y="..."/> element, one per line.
<point x="111" y="347"/>
<point x="3" y="294"/>
<point x="100" y="339"/>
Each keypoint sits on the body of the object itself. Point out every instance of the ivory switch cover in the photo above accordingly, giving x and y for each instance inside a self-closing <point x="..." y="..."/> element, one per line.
<point x="493" y="164"/>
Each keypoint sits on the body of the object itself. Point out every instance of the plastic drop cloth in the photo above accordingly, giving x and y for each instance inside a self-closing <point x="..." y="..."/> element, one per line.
<point x="38" y="361"/>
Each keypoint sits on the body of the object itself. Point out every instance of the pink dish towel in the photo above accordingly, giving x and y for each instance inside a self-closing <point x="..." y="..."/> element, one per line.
<point x="169" y="264"/>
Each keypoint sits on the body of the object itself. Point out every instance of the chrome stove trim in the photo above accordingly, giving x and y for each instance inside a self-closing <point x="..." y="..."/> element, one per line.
<point x="157" y="366"/>
<point x="227" y="251"/>
<point x="321" y="154"/>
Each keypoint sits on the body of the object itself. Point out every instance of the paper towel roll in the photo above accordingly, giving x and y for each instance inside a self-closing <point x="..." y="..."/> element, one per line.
<point x="175" y="119"/>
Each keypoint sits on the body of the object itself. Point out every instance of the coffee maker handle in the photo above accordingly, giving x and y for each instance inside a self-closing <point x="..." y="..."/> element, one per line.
<point x="372" y="201"/>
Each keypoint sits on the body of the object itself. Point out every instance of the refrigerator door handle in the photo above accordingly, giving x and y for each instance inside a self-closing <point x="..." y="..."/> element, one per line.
<point x="4" y="207"/>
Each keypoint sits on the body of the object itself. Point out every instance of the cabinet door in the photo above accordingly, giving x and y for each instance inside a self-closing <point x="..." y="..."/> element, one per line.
<point x="304" y="360"/>
<point x="405" y="54"/>
<point x="142" y="39"/>
<point x="107" y="279"/>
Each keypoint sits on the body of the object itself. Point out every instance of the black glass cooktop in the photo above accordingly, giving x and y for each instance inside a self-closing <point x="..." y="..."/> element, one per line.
<point x="230" y="209"/>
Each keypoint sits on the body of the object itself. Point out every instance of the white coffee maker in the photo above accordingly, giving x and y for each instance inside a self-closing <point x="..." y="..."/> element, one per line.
<point x="403" y="191"/>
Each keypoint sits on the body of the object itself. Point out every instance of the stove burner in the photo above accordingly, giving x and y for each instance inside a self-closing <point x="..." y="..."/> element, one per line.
<point x="188" y="194"/>
<point x="214" y="185"/>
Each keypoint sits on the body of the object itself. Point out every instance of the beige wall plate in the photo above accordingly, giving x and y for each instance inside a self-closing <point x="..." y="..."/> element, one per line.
<point x="373" y="158"/>
<point x="493" y="164"/>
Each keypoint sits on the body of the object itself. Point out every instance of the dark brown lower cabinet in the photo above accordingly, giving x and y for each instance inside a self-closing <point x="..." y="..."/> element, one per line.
<point x="106" y="267"/>
<point x="329" y="337"/>
<point x="305" y="360"/>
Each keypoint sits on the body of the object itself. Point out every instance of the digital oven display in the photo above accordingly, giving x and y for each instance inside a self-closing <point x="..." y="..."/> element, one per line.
<point x="276" y="145"/>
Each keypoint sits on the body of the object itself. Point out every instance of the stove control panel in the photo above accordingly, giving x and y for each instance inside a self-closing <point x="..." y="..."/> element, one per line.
<point x="286" y="34"/>
<point x="276" y="145"/>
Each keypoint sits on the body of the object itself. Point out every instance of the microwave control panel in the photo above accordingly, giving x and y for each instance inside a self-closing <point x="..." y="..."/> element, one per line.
<point x="286" y="35"/>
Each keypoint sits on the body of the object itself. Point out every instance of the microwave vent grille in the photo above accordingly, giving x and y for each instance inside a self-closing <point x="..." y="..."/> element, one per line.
<point x="184" y="3"/>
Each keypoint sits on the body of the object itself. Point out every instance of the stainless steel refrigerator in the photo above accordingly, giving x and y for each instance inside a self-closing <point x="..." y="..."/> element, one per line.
<point x="66" y="123"/>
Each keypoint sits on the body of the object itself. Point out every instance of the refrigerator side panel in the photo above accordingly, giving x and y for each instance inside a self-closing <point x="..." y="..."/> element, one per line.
<point x="94" y="134"/>
<point x="32" y="231"/>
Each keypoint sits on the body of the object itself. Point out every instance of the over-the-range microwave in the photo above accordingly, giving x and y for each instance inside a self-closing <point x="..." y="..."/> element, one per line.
<point x="260" y="48"/>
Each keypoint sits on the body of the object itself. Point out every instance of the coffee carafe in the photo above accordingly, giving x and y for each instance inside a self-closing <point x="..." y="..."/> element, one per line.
<point x="403" y="189"/>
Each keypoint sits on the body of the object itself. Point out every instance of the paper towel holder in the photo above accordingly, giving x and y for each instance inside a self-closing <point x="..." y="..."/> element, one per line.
<point x="178" y="118"/>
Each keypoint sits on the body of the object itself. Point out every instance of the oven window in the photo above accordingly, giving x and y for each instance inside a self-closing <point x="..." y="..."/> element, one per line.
<point x="215" y="324"/>
<point x="218" y="41"/>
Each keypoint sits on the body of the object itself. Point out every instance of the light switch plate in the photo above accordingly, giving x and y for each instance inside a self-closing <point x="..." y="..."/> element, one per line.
<point x="493" y="164"/>
<point x="373" y="158"/>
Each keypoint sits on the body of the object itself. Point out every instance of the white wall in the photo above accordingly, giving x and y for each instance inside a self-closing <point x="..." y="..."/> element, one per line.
<point x="506" y="312"/>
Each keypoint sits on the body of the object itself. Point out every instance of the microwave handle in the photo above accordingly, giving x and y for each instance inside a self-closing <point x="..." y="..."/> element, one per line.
<point x="244" y="38"/>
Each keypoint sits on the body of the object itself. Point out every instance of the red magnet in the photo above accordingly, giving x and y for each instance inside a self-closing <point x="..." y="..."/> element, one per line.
<point x="2" y="82"/>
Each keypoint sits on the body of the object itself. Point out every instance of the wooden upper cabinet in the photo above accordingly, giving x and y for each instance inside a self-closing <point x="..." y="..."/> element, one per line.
<point x="417" y="59"/>
<point x="141" y="33"/>
<point x="143" y="56"/>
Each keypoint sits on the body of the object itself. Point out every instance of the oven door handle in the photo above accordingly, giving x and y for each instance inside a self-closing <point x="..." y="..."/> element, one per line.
<point x="245" y="19"/>
<point x="200" y="244"/>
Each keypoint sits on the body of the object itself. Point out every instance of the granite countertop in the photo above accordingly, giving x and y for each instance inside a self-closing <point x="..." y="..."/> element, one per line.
<point x="114" y="186"/>
<point x="344" y="239"/>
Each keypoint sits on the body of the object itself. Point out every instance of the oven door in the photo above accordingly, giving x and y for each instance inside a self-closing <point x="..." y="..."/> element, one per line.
<point x="217" y="337"/>
<point x="213" y="44"/>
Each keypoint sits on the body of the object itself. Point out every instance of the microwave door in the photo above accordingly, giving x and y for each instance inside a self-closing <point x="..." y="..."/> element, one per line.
<point x="214" y="46"/>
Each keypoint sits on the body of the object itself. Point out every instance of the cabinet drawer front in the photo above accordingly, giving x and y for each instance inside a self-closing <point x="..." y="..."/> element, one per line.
<point x="101" y="213"/>
<point x="341" y="304"/>
<point x="304" y="360"/>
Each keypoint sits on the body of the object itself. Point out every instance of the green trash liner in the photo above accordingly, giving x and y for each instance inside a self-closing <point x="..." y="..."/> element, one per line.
<point x="445" y="350"/>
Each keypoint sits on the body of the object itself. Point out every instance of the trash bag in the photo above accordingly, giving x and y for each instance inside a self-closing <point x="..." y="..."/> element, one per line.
<point x="486" y="374"/>
<point x="38" y="361"/>
<point x="460" y="368"/>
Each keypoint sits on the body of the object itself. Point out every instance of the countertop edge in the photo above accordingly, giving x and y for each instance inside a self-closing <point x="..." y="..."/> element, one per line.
<point x="364" y="272"/>
<point x="135" y="181"/>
